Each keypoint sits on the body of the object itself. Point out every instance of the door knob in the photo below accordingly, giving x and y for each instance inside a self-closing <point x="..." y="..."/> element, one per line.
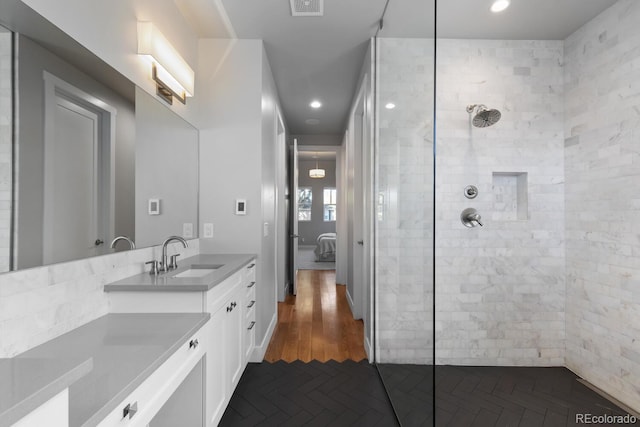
<point x="361" y="242"/>
<point x="98" y="242"/>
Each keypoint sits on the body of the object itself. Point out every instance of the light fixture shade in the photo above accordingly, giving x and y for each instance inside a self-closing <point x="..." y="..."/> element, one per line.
<point x="316" y="173"/>
<point x="168" y="66"/>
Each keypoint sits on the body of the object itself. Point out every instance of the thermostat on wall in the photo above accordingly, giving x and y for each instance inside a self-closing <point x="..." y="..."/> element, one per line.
<point x="241" y="206"/>
<point x="154" y="206"/>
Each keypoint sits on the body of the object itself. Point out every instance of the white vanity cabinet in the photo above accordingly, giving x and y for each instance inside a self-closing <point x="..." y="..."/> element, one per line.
<point x="231" y="302"/>
<point x="228" y="345"/>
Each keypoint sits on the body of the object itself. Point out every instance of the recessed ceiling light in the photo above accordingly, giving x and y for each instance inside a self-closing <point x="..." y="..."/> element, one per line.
<point x="312" y="121"/>
<point x="499" y="5"/>
<point x="315" y="104"/>
<point x="390" y="106"/>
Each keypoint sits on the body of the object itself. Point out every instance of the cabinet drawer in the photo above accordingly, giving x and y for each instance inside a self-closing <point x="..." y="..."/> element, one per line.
<point x="249" y="272"/>
<point x="139" y="408"/>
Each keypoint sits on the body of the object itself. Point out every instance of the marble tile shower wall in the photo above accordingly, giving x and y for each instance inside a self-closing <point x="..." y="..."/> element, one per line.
<point x="6" y="134"/>
<point x="39" y="304"/>
<point x="404" y="266"/>
<point x="500" y="288"/>
<point x="602" y="161"/>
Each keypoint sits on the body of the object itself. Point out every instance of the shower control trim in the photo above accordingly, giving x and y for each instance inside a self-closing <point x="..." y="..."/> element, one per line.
<point x="471" y="218"/>
<point x="470" y="191"/>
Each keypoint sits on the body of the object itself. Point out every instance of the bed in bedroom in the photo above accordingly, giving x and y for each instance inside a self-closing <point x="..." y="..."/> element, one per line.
<point x="325" y="247"/>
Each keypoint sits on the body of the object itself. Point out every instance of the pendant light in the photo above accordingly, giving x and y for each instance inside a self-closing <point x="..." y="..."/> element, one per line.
<point x="317" y="172"/>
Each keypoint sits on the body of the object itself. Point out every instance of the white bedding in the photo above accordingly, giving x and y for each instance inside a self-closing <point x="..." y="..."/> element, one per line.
<point x="326" y="247"/>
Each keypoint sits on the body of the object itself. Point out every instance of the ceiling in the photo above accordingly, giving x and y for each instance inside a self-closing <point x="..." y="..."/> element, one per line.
<point x="321" y="57"/>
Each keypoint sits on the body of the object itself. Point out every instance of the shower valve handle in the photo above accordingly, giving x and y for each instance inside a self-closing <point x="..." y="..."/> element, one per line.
<point x="471" y="218"/>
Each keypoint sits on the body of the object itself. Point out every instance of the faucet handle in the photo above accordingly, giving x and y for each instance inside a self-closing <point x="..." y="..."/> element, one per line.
<point x="154" y="267"/>
<point x="174" y="262"/>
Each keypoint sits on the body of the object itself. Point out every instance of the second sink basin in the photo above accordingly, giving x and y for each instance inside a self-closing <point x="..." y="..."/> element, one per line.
<point x="198" y="270"/>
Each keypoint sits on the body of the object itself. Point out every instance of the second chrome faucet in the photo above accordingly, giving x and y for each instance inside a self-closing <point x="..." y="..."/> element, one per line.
<point x="165" y="264"/>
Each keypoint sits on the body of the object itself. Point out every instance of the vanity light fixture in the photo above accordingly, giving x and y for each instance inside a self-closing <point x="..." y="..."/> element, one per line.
<point x="315" y="104"/>
<point x="173" y="76"/>
<point x="499" y="5"/>
<point x="317" y="172"/>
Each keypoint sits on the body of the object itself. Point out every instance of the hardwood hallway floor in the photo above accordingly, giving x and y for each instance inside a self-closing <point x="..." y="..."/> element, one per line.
<point x="317" y="323"/>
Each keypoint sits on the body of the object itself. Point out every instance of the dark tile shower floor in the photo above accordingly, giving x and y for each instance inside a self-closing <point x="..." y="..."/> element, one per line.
<point x="492" y="396"/>
<point x="352" y="394"/>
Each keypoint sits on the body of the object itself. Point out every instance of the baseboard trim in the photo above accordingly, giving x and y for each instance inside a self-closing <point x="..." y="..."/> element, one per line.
<point x="257" y="355"/>
<point x="350" y="301"/>
<point x="368" y="349"/>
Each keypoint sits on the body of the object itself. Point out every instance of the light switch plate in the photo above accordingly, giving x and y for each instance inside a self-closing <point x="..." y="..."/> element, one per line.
<point x="154" y="206"/>
<point x="265" y="229"/>
<point x="187" y="230"/>
<point x="208" y="230"/>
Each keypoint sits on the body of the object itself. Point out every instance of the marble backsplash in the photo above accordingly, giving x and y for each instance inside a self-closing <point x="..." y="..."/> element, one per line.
<point x="39" y="304"/>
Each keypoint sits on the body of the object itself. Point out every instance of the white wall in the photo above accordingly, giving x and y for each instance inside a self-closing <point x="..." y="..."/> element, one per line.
<point x="109" y="30"/>
<point x="602" y="161"/>
<point x="237" y="155"/>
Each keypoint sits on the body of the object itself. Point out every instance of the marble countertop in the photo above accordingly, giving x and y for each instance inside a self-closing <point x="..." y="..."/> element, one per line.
<point x="166" y="282"/>
<point x="25" y="384"/>
<point x="123" y="349"/>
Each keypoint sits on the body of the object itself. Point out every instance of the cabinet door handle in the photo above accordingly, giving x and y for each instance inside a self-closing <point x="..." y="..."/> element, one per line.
<point x="251" y="325"/>
<point x="193" y="343"/>
<point x="130" y="410"/>
<point x="233" y="305"/>
<point x="229" y="308"/>
<point x="251" y="304"/>
<point x="250" y="285"/>
<point x="251" y="266"/>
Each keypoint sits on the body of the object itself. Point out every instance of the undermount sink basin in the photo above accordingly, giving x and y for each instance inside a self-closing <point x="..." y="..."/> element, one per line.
<point x="198" y="270"/>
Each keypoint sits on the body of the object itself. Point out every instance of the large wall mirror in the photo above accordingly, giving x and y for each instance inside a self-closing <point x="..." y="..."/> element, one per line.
<point x="83" y="152"/>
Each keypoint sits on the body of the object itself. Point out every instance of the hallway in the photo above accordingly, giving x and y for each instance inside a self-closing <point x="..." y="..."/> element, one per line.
<point x="317" y="323"/>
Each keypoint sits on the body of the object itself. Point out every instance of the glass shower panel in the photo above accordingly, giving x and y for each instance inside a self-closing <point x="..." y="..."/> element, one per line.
<point x="6" y="147"/>
<point x="405" y="209"/>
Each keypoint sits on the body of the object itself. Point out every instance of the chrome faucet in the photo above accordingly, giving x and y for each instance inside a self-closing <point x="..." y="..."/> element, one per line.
<point x="164" y="264"/>
<point x="132" y="245"/>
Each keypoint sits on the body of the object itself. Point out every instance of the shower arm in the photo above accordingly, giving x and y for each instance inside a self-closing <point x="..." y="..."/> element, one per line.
<point x="472" y="107"/>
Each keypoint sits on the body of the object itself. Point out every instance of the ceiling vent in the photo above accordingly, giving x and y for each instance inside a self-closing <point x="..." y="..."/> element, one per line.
<point x="307" y="7"/>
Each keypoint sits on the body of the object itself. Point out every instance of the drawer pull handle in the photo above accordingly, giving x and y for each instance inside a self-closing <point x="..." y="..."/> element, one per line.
<point x="130" y="410"/>
<point x="251" y="304"/>
<point x="193" y="343"/>
<point x="251" y="325"/>
<point x="251" y="266"/>
<point x="250" y="285"/>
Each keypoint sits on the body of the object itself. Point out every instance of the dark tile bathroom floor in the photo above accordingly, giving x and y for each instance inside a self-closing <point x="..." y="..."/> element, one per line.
<point x="492" y="396"/>
<point x="352" y="394"/>
<point x="297" y="394"/>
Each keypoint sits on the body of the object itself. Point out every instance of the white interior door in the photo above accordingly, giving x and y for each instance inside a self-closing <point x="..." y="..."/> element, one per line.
<point x="71" y="218"/>
<point x="358" y="213"/>
<point x="294" y="234"/>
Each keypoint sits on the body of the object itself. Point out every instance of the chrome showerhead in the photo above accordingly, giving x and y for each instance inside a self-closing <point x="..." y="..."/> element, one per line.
<point x="484" y="117"/>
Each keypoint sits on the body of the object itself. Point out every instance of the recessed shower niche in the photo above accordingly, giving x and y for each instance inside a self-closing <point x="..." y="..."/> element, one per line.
<point x="510" y="196"/>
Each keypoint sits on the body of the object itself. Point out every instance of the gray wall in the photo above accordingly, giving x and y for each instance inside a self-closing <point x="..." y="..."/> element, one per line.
<point x="310" y="230"/>
<point x="166" y="169"/>
<point x="33" y="60"/>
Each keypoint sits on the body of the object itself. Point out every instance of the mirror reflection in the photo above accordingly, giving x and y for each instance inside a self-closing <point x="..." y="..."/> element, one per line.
<point x="90" y="151"/>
